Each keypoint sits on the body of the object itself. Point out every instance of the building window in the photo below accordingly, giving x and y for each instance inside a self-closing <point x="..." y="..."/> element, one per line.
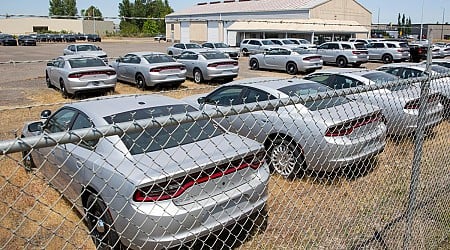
<point x="40" y="29"/>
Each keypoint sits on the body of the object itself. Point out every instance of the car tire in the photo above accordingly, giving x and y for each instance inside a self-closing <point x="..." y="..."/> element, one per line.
<point x="356" y="65"/>
<point x="254" y="64"/>
<point x="198" y="76"/>
<point x="48" y="81"/>
<point x="63" y="89"/>
<point x="170" y="53"/>
<point x="140" y="82"/>
<point x="341" y="62"/>
<point x="100" y="224"/>
<point x="387" y="59"/>
<point x="291" y="68"/>
<point x="285" y="157"/>
<point x="245" y="52"/>
<point x="28" y="161"/>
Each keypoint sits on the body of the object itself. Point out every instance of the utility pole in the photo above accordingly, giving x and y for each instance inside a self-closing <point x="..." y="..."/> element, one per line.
<point x="93" y="16"/>
<point x="421" y="23"/>
<point x="443" y="20"/>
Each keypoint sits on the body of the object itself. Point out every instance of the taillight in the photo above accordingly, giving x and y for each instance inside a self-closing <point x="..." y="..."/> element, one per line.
<point x="348" y="127"/>
<point x="176" y="187"/>
<point x="415" y="104"/>
<point x="213" y="65"/>
<point x="81" y="74"/>
<point x="358" y="52"/>
<point x="159" y="69"/>
<point x="312" y="58"/>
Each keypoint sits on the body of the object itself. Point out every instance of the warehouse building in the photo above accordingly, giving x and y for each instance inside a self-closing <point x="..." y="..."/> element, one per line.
<point x="231" y="21"/>
<point x="17" y="26"/>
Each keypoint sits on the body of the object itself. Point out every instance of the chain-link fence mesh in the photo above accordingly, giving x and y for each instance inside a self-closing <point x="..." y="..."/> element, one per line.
<point x="267" y="164"/>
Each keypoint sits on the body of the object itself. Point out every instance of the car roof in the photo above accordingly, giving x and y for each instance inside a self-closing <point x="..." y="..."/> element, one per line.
<point x="341" y="70"/>
<point x="67" y="57"/>
<point x="143" y="53"/>
<point x="110" y="105"/>
<point x="269" y="83"/>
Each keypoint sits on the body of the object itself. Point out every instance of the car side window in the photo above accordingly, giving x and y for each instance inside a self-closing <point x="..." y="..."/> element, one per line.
<point x="179" y="46"/>
<point x="80" y="122"/>
<point x="378" y="45"/>
<point x="277" y="42"/>
<point x="284" y="52"/>
<point x="60" y="121"/>
<point x="226" y="96"/>
<point x="345" y="46"/>
<point x="324" y="46"/>
<point x="392" y="71"/>
<point x="333" y="46"/>
<point x="208" y="45"/>
<point x="256" y="95"/>
<point x="391" y="45"/>
<point x="71" y="48"/>
<point x="272" y="52"/>
<point x="60" y="63"/>
<point x="321" y="78"/>
<point x="409" y="73"/>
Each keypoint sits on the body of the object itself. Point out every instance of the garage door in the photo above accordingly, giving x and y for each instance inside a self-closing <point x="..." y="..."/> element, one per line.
<point x="184" y="37"/>
<point x="213" y="31"/>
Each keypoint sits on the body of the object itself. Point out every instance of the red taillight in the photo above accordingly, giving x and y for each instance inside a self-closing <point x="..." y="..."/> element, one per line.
<point x="90" y="73"/>
<point x="415" y="104"/>
<point x="348" y="127"/>
<point x="159" y="69"/>
<point x="359" y="52"/>
<point x="309" y="58"/>
<point x="176" y="187"/>
<point x="213" y="65"/>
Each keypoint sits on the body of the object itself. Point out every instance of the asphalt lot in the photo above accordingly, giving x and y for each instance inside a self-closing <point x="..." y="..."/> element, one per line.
<point x="23" y="73"/>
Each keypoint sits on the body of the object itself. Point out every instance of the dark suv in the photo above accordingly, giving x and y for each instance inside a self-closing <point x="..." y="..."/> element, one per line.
<point x="93" y="38"/>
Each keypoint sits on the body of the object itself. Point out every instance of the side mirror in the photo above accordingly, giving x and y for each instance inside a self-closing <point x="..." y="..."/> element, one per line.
<point x="50" y="63"/>
<point x="35" y="126"/>
<point x="119" y="59"/>
<point x="99" y="48"/>
<point x="176" y="57"/>
<point x="45" y="114"/>
<point x="201" y="100"/>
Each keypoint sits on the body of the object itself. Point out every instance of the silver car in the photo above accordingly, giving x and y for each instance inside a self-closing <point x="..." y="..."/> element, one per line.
<point x="411" y="70"/>
<point x="225" y="48"/>
<point x="155" y="189"/>
<point x="75" y="74"/>
<point x="86" y="49"/>
<point x="343" y="53"/>
<point x="254" y="46"/>
<point x="303" y="43"/>
<point x="149" y="69"/>
<point x="323" y="135"/>
<point x="206" y="65"/>
<point x="178" y="48"/>
<point x="400" y="104"/>
<point x="290" y="60"/>
<point x="388" y="51"/>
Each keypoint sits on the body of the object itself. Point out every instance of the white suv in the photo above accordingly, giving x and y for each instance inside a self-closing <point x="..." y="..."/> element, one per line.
<point x="388" y="51"/>
<point x="343" y="53"/>
<point x="254" y="46"/>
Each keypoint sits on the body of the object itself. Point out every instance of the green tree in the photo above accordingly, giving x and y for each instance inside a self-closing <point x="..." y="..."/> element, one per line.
<point x="92" y="12"/>
<point x="399" y="25"/>
<point x="63" y="8"/>
<point x="151" y="27"/>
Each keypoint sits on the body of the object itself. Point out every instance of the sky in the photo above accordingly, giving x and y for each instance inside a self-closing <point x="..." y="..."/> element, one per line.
<point x="383" y="10"/>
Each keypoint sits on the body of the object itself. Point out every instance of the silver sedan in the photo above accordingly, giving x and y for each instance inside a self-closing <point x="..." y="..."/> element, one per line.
<point x="400" y="104"/>
<point x="207" y="65"/>
<point x="75" y="74"/>
<point x="148" y="69"/>
<point x="290" y="60"/>
<point x="323" y="135"/>
<point x="154" y="189"/>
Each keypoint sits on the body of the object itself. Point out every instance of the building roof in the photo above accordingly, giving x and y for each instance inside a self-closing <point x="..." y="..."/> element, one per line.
<point x="239" y="6"/>
<point x="293" y="25"/>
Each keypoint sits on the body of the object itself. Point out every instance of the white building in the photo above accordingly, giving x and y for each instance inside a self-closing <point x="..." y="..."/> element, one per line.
<point x="17" y="26"/>
<point x="231" y="21"/>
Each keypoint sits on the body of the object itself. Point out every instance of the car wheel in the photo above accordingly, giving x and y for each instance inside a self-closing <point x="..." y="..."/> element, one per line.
<point x="245" y="52"/>
<point x="291" y="68"/>
<point x="198" y="76"/>
<point x="387" y="59"/>
<point x="285" y="157"/>
<point x="47" y="80"/>
<point x="140" y="82"/>
<point x="170" y="53"/>
<point x="100" y="224"/>
<point x="28" y="161"/>
<point x="62" y="86"/>
<point x="341" y="62"/>
<point x="356" y="65"/>
<point x="254" y="64"/>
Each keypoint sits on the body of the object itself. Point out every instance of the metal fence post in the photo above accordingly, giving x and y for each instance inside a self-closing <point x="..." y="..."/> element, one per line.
<point x="418" y="150"/>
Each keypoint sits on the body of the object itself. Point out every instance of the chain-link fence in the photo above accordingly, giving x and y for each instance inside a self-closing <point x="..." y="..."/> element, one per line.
<point x="262" y="163"/>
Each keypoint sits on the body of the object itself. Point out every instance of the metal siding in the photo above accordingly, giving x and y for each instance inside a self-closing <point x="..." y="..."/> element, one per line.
<point x="184" y="32"/>
<point x="213" y="31"/>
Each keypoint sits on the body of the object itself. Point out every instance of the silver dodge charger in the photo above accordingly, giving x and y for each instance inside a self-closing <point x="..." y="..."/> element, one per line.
<point x="158" y="188"/>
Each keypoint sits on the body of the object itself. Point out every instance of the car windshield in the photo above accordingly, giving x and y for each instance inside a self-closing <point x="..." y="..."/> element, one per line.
<point x="85" y="62"/>
<point x="192" y="46"/>
<point x="383" y="77"/>
<point x="312" y="89"/>
<point x="87" y="47"/>
<point x="360" y="46"/>
<point x="301" y="51"/>
<point x="154" y="139"/>
<point x="267" y="42"/>
<point x="221" y="45"/>
<point x="214" y="55"/>
<point x="158" y="58"/>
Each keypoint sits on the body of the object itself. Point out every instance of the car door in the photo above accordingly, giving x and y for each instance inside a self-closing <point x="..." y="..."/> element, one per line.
<point x="189" y="59"/>
<point x="376" y="51"/>
<point x="276" y="58"/>
<point x="125" y="68"/>
<point x="268" y="58"/>
<point x="54" y="158"/>
<point x="325" y="51"/>
<point x="57" y="71"/>
<point x="178" y="48"/>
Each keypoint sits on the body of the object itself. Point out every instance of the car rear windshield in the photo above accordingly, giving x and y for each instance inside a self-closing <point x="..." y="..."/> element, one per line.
<point x="214" y="55"/>
<point x="360" y="46"/>
<point x="383" y="77"/>
<point x="288" y="42"/>
<point x="192" y="46"/>
<point x="312" y="89"/>
<point x="86" y="62"/>
<point x="160" y="58"/>
<point x="403" y="45"/>
<point x="87" y="48"/>
<point x="220" y="45"/>
<point x="154" y="139"/>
